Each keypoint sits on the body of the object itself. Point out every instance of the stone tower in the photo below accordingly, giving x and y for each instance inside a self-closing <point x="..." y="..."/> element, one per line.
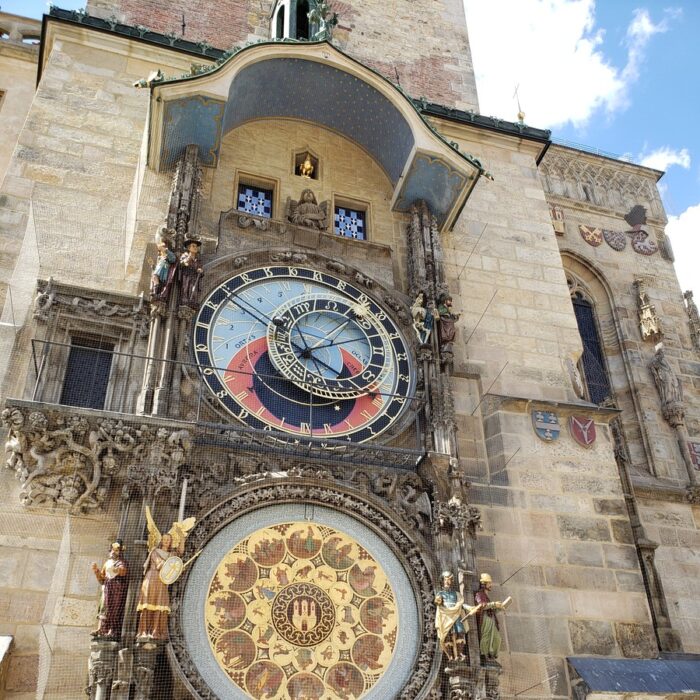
<point x="420" y="44"/>
<point x="314" y="360"/>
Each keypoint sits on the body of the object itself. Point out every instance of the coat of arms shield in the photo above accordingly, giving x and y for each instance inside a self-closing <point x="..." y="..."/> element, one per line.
<point x="546" y="424"/>
<point x="582" y="430"/>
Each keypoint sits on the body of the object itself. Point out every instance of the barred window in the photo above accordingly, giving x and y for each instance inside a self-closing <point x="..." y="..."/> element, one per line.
<point x="593" y="360"/>
<point x="87" y="373"/>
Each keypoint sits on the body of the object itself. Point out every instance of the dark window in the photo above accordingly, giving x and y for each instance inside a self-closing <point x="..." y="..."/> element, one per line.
<point x="350" y="223"/>
<point x="255" y="200"/>
<point x="593" y="361"/>
<point x="279" y="27"/>
<point x="87" y="373"/>
<point x="302" y="19"/>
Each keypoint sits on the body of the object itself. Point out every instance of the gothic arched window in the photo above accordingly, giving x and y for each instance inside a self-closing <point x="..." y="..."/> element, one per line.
<point x="290" y="19"/>
<point x="593" y="366"/>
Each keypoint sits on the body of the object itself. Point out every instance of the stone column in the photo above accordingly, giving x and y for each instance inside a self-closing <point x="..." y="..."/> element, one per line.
<point x="101" y="664"/>
<point x="144" y="668"/>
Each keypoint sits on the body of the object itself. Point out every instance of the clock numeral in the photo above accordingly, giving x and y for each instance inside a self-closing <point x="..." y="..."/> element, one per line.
<point x="341" y="285"/>
<point x="327" y="429"/>
<point x="366" y="414"/>
<point x="246" y="278"/>
<point x="209" y="303"/>
<point x="317" y="276"/>
<point x="241" y="395"/>
<point x="293" y="272"/>
<point x="402" y="356"/>
<point x="268" y="272"/>
<point x="200" y="347"/>
<point x="243" y="414"/>
<point x="221" y="394"/>
<point x="305" y="428"/>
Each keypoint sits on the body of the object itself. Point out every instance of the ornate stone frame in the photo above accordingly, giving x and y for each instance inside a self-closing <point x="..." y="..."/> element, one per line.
<point x="417" y="564"/>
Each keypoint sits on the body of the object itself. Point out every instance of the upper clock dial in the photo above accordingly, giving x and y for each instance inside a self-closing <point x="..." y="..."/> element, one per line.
<point x="301" y="351"/>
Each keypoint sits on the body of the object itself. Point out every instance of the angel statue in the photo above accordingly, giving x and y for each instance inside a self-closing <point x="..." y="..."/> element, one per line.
<point x="154" y="600"/>
<point x="307" y="211"/>
<point x="323" y="17"/>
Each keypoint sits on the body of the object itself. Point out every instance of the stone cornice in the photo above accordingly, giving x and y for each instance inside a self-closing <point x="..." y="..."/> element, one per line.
<point x="524" y="404"/>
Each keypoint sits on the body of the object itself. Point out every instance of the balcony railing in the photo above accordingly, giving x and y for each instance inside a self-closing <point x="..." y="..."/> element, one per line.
<point x="112" y="382"/>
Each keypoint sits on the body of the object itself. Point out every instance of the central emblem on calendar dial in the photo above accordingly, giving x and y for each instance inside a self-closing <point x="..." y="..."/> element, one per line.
<point x="303" y="352"/>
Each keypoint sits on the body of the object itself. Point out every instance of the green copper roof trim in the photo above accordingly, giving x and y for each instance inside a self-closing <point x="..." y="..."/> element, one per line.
<point x="221" y="63"/>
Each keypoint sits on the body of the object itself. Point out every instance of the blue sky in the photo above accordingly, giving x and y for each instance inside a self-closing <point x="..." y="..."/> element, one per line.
<point x="618" y="75"/>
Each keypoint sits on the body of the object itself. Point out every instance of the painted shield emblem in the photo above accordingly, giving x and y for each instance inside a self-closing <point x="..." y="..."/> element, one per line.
<point x="694" y="448"/>
<point x="642" y="244"/>
<point x="546" y="425"/>
<point x="615" y="239"/>
<point x="582" y="430"/>
<point x="592" y="235"/>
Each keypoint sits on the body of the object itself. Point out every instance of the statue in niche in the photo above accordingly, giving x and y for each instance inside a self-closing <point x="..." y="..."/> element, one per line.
<point x="113" y="577"/>
<point x="306" y="167"/>
<point x="190" y="273"/>
<point x="422" y="317"/>
<point x="163" y="271"/>
<point x="667" y="383"/>
<point x="154" y="599"/>
<point x="487" y="622"/>
<point x="446" y="322"/>
<point x="450" y="614"/>
<point x="307" y="212"/>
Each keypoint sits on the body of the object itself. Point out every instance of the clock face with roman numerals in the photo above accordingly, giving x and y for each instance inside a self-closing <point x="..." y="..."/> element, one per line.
<point x="295" y="350"/>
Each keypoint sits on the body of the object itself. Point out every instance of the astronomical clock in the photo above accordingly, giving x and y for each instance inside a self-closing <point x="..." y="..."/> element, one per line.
<point x="299" y="596"/>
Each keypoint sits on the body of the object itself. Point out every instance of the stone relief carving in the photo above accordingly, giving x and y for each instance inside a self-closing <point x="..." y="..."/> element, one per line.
<point x="569" y="175"/>
<point x="293" y="489"/>
<point x="308" y="212"/>
<point x="693" y="319"/>
<point x="70" y="460"/>
<point x="50" y="297"/>
<point x="649" y="323"/>
<point x="669" y="387"/>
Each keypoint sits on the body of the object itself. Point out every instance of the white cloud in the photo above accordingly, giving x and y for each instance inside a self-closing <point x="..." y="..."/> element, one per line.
<point x="663" y="158"/>
<point x="552" y="50"/>
<point x="684" y="232"/>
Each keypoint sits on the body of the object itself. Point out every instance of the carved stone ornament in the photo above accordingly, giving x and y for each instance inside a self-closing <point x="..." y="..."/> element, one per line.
<point x="51" y="297"/>
<point x="649" y="323"/>
<point x="265" y="492"/>
<point x="693" y="319"/>
<point x="70" y="460"/>
<point x="100" y="668"/>
<point x="307" y="212"/>
<point x="557" y="215"/>
<point x="455" y="515"/>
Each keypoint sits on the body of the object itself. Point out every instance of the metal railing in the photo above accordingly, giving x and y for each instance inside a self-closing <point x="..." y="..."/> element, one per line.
<point x="191" y="401"/>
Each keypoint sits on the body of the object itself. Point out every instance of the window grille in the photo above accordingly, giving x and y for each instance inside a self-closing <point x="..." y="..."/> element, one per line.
<point x="593" y="360"/>
<point x="87" y="373"/>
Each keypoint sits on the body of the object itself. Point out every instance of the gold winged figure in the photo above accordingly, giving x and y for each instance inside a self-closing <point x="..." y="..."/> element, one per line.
<point x="154" y="600"/>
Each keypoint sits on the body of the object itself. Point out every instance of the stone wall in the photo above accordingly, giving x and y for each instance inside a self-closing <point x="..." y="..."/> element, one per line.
<point x="594" y="196"/>
<point x="409" y="37"/>
<point x="17" y="80"/>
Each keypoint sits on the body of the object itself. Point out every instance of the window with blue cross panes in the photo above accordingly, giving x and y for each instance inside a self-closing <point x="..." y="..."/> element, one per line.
<point x="255" y="200"/>
<point x="350" y="223"/>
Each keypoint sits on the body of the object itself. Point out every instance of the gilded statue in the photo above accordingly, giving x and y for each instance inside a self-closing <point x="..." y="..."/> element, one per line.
<point x="154" y="599"/>
<point x="450" y="614"/>
<point x="308" y="212"/>
<point x="306" y="169"/>
<point x="487" y="622"/>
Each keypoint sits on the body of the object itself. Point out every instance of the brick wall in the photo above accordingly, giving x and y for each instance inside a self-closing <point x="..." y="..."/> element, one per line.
<point x="421" y="43"/>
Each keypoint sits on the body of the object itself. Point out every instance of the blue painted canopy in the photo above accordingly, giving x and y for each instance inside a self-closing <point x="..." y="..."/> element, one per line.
<point x="318" y="84"/>
<point x="319" y="93"/>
